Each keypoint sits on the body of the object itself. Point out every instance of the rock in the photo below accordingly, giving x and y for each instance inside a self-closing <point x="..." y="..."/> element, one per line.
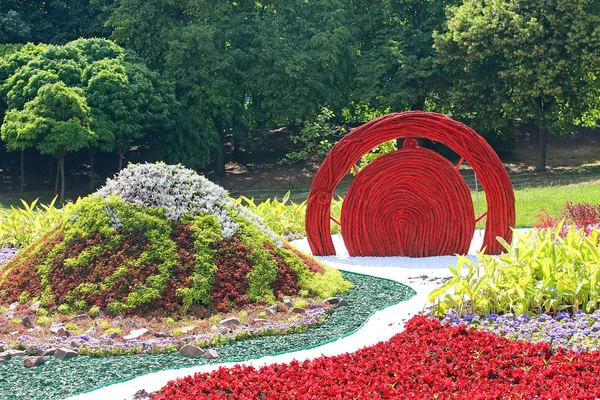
<point x="141" y="395"/>
<point x="80" y="317"/>
<point x="31" y="362"/>
<point x="233" y="321"/>
<point x="110" y="335"/>
<point x="288" y="303"/>
<point x="64" y="353"/>
<point x="116" y="322"/>
<point x="36" y="330"/>
<point x="92" y="331"/>
<point x="336" y="301"/>
<point x="47" y="352"/>
<point x="133" y="324"/>
<point x="297" y="310"/>
<point x="188" y="329"/>
<point x="260" y="321"/>
<point x="62" y="332"/>
<point x="56" y="326"/>
<point x="15" y="353"/>
<point x="26" y="322"/>
<point x="211" y="354"/>
<point x="189" y="350"/>
<point x="136" y="334"/>
<point x="314" y="306"/>
<point x="160" y="335"/>
<point x="14" y="306"/>
<point x="9" y="315"/>
<point x="4" y="359"/>
<point x="35" y="306"/>
<point x="271" y="310"/>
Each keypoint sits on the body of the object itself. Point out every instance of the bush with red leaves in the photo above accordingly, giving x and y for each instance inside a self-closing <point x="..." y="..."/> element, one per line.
<point x="580" y="216"/>
<point x="230" y="286"/>
<point x="427" y="360"/>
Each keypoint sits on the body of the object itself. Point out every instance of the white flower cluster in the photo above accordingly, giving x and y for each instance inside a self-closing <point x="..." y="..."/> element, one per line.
<point x="178" y="190"/>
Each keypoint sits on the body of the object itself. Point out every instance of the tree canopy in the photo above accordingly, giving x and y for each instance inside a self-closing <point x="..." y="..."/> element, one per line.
<point x="532" y="60"/>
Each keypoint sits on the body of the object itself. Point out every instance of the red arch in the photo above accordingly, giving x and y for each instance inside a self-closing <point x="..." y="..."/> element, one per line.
<point x="461" y="139"/>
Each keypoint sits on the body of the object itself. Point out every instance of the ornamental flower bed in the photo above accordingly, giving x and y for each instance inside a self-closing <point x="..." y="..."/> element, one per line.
<point x="427" y="360"/>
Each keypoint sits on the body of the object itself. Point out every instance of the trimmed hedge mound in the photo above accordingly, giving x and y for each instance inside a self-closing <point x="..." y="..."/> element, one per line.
<point x="162" y="237"/>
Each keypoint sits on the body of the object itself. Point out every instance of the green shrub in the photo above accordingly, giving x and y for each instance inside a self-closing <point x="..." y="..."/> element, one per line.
<point x="22" y="226"/>
<point x="285" y="217"/>
<point x="541" y="272"/>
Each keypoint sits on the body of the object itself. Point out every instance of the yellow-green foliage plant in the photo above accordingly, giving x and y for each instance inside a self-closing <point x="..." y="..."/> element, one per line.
<point x="541" y="272"/>
<point x="22" y="226"/>
<point x="285" y="217"/>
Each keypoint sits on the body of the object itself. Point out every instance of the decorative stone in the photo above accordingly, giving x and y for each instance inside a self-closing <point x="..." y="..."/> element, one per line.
<point x="136" y="334"/>
<point x="260" y="320"/>
<point x="314" y="306"/>
<point x="288" y="303"/>
<point x="62" y="332"/>
<point x="332" y="301"/>
<point x="80" y="317"/>
<point x="189" y="350"/>
<point x="47" y="352"/>
<point x="131" y="323"/>
<point x="31" y="362"/>
<point x="211" y="354"/>
<point x="13" y="306"/>
<point x="233" y="321"/>
<point x="272" y="310"/>
<point x="26" y="322"/>
<point x="116" y="322"/>
<point x="56" y="326"/>
<point x="297" y="310"/>
<point x="186" y="330"/>
<point x="35" y="306"/>
<point x="64" y="353"/>
<point x="15" y="353"/>
<point x="9" y="315"/>
<point x="36" y="330"/>
<point x="160" y="335"/>
<point x="92" y="331"/>
<point x="343" y="302"/>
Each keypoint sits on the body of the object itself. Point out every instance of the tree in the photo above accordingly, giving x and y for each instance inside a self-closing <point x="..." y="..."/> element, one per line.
<point x="56" y="122"/>
<point x="129" y="104"/>
<point x="397" y="67"/>
<point x="533" y="60"/>
<point x="240" y="67"/>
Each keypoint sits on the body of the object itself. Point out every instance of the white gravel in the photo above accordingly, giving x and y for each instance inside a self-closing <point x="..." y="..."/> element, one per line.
<point x="422" y="274"/>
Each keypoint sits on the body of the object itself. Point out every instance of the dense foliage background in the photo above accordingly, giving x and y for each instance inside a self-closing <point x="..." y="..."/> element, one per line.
<point x="185" y="80"/>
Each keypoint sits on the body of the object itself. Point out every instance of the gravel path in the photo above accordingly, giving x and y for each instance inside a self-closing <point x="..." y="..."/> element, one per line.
<point x="422" y="274"/>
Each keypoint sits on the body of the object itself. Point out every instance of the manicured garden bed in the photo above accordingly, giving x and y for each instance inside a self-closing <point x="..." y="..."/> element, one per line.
<point x="58" y="379"/>
<point x="427" y="360"/>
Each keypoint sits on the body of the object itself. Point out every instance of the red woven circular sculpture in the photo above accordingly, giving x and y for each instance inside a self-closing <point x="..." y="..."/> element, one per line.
<point x="412" y="202"/>
<point x="457" y="136"/>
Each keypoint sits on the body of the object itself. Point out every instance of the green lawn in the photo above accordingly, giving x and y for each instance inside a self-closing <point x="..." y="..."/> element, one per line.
<point x="531" y="201"/>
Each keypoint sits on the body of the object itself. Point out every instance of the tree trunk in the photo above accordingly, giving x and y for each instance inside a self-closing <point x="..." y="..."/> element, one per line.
<point x="61" y="167"/>
<point x="92" y="151"/>
<point x="57" y="176"/>
<point x="22" y="171"/>
<point x="542" y="145"/>
<point x="121" y="154"/>
<point x="51" y="169"/>
<point x="220" y="157"/>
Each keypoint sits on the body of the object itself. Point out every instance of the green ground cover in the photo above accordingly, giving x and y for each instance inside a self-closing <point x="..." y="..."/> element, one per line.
<point x="58" y="379"/>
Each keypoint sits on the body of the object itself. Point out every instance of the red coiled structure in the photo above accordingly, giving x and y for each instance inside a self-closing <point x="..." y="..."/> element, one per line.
<point x="410" y="202"/>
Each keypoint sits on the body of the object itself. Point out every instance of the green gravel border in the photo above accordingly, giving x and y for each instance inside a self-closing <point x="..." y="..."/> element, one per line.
<point x="60" y="379"/>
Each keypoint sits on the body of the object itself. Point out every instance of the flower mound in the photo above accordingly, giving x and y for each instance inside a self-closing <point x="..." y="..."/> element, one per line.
<point x="427" y="360"/>
<point x="161" y="237"/>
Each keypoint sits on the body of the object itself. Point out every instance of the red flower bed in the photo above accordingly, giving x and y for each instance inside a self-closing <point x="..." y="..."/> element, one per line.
<point x="427" y="360"/>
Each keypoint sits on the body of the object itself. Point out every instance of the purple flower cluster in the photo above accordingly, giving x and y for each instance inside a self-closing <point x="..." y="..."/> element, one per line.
<point x="578" y="331"/>
<point x="6" y="254"/>
<point x="105" y="346"/>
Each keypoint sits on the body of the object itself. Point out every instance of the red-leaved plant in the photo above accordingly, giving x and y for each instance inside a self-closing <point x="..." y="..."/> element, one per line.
<point x="426" y="361"/>
<point x="579" y="216"/>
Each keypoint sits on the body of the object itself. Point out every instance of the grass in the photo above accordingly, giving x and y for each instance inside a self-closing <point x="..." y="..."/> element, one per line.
<point x="531" y="201"/>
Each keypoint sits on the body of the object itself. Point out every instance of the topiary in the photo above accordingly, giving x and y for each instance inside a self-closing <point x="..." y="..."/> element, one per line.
<point x="160" y="236"/>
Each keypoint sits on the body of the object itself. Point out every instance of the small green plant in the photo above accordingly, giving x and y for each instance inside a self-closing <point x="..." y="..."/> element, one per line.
<point x="243" y="314"/>
<point x="113" y="330"/>
<point x="41" y="312"/>
<point x="71" y="326"/>
<point x="94" y="311"/>
<point x="177" y="332"/>
<point x="541" y="272"/>
<point x="44" y="320"/>
<point x="24" y="297"/>
<point x="24" y="225"/>
<point x="300" y="303"/>
<point x="169" y="321"/>
<point x="64" y="309"/>
<point x="262" y="314"/>
<point x="104" y="324"/>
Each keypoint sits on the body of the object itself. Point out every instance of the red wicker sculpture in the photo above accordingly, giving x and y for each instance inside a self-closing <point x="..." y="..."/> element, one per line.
<point x="412" y="202"/>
